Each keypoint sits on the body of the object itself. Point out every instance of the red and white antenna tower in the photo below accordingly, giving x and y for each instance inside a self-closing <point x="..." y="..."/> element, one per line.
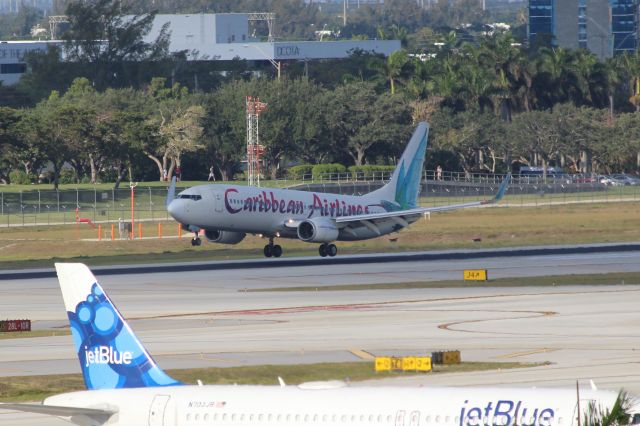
<point x="254" y="149"/>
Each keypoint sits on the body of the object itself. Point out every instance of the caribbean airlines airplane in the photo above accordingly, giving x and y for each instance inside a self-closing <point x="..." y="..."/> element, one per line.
<point x="228" y="212"/>
<point x="126" y="387"/>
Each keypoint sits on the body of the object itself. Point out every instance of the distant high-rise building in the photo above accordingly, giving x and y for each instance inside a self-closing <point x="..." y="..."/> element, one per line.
<point x="605" y="27"/>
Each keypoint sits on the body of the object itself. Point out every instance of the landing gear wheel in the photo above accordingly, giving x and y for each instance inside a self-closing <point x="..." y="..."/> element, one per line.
<point x="323" y="250"/>
<point x="268" y="252"/>
<point x="332" y="250"/>
<point x="277" y="251"/>
<point x="196" y="241"/>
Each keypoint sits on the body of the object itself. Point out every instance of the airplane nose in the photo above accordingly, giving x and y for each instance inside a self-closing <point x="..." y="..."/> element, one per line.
<point x="174" y="210"/>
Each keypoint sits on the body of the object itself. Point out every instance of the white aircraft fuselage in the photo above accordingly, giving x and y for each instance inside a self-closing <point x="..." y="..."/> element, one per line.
<point x="272" y="211"/>
<point x="292" y="405"/>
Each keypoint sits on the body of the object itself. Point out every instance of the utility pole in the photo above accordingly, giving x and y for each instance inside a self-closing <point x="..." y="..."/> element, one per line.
<point x="344" y="14"/>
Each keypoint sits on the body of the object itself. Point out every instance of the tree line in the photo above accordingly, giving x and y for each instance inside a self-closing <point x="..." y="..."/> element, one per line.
<point x="493" y="103"/>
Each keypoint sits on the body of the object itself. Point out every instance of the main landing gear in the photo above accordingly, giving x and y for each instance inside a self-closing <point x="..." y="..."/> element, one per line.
<point x="271" y="250"/>
<point x="328" y="250"/>
<point x="196" y="241"/>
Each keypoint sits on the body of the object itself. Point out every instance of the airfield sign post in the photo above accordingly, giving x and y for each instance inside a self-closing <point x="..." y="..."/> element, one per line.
<point x="133" y="192"/>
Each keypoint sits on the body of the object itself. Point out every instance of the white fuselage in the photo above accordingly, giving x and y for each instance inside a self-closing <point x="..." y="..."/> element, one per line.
<point x="291" y="405"/>
<point x="267" y="211"/>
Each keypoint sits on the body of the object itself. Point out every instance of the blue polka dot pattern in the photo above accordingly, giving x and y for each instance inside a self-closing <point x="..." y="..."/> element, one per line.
<point x="110" y="355"/>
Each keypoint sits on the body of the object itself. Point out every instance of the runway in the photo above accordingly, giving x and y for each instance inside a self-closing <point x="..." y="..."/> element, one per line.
<point x="200" y="319"/>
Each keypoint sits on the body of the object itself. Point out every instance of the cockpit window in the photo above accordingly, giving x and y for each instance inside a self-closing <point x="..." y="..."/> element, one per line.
<point x="193" y="197"/>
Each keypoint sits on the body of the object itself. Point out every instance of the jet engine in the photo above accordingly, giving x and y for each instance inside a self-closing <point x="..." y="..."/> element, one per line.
<point x="224" y="237"/>
<point x="318" y="230"/>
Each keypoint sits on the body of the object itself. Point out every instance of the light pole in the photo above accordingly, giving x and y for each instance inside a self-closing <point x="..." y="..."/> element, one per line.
<point x="276" y="64"/>
<point x="133" y="191"/>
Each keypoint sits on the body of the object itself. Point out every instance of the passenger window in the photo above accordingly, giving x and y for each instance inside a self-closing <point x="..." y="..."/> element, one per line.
<point x="446" y="419"/>
<point x="196" y="416"/>
<point x="188" y="416"/>
<point x="379" y="418"/>
<point x="437" y="419"/>
<point x="389" y="418"/>
<point x="260" y="417"/>
<point x="343" y="418"/>
<point x="306" y="418"/>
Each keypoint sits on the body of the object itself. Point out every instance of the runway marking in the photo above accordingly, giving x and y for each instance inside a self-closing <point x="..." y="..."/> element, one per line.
<point x="533" y="314"/>
<point x="533" y="352"/>
<point x="372" y="305"/>
<point x="362" y="354"/>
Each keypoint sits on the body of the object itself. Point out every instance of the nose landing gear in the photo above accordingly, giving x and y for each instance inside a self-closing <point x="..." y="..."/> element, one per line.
<point x="327" y="250"/>
<point x="271" y="250"/>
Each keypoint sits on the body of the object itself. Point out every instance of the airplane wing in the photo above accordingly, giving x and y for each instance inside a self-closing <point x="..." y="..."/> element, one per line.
<point x="55" y="410"/>
<point x="404" y="217"/>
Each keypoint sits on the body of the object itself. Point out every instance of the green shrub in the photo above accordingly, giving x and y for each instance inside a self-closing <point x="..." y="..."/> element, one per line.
<point x="369" y="171"/>
<point x="299" y="172"/>
<point x="20" y="177"/>
<point x="68" y="176"/>
<point x="323" y="170"/>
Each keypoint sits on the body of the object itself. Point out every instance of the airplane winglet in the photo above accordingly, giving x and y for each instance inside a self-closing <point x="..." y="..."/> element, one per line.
<point x="502" y="190"/>
<point x="171" y="192"/>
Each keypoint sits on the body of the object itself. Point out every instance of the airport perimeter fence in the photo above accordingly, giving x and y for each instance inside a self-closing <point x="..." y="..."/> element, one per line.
<point x="452" y="187"/>
<point x="92" y="206"/>
<point x="104" y="206"/>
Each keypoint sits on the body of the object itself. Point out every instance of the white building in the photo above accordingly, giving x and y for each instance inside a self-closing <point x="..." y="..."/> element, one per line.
<point x="212" y="37"/>
<point x="225" y="36"/>
<point x="12" y="53"/>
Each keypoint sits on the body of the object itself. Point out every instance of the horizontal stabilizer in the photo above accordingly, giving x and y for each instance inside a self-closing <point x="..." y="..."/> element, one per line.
<point x="55" y="410"/>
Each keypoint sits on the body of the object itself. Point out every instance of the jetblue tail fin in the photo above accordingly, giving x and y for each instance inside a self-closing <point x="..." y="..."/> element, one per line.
<point x="401" y="193"/>
<point x="110" y="354"/>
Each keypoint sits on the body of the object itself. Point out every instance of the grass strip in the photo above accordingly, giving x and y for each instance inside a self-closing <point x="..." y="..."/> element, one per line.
<point x="36" y="247"/>
<point x="617" y="278"/>
<point x="36" y="388"/>
<point x="35" y="333"/>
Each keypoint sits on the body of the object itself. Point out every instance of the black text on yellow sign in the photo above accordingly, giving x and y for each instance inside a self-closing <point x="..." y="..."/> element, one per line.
<point x="475" y="275"/>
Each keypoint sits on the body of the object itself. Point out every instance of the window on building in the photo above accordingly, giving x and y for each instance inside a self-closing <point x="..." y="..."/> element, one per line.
<point x="13" y="68"/>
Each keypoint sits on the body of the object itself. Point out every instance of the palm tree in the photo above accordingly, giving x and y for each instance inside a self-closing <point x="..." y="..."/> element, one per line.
<point x="630" y="66"/>
<point x="618" y="415"/>
<point x="395" y="68"/>
<point x="555" y="81"/>
<point x="500" y="54"/>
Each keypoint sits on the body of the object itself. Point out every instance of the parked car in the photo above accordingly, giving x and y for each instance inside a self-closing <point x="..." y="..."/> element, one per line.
<point x="610" y="180"/>
<point x="627" y="179"/>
